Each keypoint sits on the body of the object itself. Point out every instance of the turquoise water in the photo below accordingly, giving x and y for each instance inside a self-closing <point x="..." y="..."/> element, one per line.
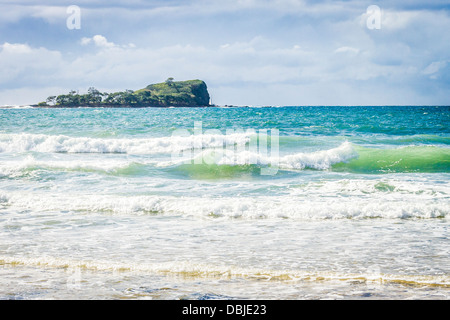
<point x="225" y="203"/>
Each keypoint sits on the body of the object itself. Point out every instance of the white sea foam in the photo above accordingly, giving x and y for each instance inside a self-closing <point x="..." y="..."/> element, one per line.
<point x="319" y="160"/>
<point x="295" y="206"/>
<point x="60" y="143"/>
<point x="16" y="168"/>
<point x="16" y="107"/>
<point x="203" y="270"/>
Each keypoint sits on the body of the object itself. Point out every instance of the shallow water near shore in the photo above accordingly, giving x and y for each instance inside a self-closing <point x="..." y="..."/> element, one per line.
<point x="342" y="203"/>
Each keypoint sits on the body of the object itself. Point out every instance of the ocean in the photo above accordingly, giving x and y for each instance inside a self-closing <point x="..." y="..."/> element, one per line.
<point x="279" y="203"/>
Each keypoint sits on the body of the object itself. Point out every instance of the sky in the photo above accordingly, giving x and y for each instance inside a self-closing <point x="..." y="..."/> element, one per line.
<point x="249" y="52"/>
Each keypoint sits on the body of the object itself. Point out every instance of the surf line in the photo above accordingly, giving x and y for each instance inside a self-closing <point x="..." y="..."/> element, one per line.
<point x="254" y="151"/>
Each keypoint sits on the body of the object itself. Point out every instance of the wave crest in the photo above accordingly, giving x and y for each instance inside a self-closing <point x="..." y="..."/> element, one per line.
<point x="24" y="142"/>
<point x="308" y="206"/>
<point x="318" y="160"/>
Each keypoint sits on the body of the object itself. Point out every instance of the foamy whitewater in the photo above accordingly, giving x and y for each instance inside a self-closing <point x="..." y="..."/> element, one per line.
<point x="225" y="203"/>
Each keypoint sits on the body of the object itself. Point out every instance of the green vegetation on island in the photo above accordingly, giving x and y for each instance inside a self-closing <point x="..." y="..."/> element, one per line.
<point x="190" y="93"/>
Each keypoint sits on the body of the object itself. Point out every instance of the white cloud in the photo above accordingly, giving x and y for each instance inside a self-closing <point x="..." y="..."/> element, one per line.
<point x="393" y="20"/>
<point x="98" y="40"/>
<point x="52" y="14"/>
<point x="28" y="95"/>
<point x="434" y="67"/>
<point x="15" y="48"/>
<point x="22" y="63"/>
<point x="101" y="42"/>
<point x="347" y="50"/>
<point x="11" y="13"/>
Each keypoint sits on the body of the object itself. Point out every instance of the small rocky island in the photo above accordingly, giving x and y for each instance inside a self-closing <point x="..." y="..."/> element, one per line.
<point x="191" y="93"/>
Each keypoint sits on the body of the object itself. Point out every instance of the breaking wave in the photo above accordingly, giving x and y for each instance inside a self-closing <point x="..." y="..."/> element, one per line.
<point x="14" y="143"/>
<point x="376" y="201"/>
